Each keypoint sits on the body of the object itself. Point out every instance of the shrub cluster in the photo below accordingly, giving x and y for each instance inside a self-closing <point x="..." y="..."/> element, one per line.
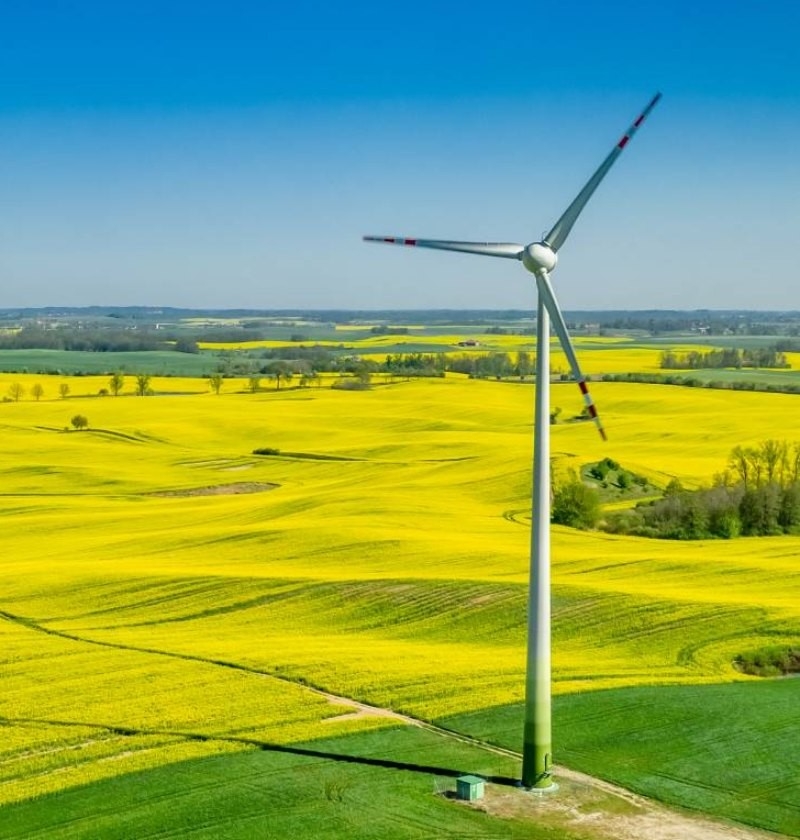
<point x="609" y="471"/>
<point x="772" y="661"/>
<point x="361" y="382"/>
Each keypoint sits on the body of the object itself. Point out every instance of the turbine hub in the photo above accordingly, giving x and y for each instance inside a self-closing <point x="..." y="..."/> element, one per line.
<point x="538" y="256"/>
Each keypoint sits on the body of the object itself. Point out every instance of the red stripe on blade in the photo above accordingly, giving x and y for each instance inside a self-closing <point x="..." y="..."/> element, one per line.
<point x="409" y="242"/>
<point x="622" y="143"/>
<point x="592" y="411"/>
<point x="582" y="386"/>
<point x="639" y="121"/>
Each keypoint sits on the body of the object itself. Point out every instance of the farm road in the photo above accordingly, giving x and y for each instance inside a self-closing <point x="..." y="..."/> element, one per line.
<point x="585" y="805"/>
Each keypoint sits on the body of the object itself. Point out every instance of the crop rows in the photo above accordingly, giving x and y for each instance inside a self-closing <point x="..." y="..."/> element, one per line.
<point x="394" y="577"/>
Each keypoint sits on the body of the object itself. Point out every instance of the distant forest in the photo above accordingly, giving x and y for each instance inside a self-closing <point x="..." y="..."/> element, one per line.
<point x="94" y="339"/>
<point x="651" y="322"/>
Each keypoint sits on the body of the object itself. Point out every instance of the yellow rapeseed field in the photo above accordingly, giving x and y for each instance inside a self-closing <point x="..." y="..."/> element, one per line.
<point x="163" y="585"/>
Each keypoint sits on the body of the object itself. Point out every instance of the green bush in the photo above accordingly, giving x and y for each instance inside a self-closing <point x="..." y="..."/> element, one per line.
<point x="575" y="504"/>
<point x="351" y="385"/>
<point x="771" y="661"/>
<point x="599" y="471"/>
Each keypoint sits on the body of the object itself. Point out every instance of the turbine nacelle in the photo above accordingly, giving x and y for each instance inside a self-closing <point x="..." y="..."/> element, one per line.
<point x="539" y="256"/>
<point x="540" y="259"/>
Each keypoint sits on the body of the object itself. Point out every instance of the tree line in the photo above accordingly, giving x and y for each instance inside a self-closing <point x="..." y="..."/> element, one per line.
<point x="728" y="357"/>
<point x="758" y="494"/>
<point x="95" y="340"/>
<point x="689" y="381"/>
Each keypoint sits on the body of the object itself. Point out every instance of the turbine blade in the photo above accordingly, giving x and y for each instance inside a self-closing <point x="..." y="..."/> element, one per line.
<point x="560" y="327"/>
<point x="557" y="236"/>
<point x="509" y="250"/>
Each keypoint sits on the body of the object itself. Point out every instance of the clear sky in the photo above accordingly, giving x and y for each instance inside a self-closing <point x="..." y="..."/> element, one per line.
<point x="232" y="154"/>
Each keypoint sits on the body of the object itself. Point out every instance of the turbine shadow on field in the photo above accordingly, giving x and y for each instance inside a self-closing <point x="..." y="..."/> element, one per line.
<point x="265" y="746"/>
<point x="32" y="625"/>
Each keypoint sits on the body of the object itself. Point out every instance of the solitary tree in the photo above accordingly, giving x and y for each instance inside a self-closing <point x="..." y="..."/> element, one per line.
<point x="79" y="421"/>
<point x="525" y="363"/>
<point x="215" y="381"/>
<point x="142" y="384"/>
<point x="281" y="370"/>
<point x="63" y="389"/>
<point x="37" y="392"/>
<point x="15" y="391"/>
<point x="115" y="383"/>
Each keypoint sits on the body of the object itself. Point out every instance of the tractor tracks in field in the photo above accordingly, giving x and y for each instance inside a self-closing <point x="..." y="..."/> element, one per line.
<point x="358" y="708"/>
<point x="35" y="626"/>
<point x="519" y="516"/>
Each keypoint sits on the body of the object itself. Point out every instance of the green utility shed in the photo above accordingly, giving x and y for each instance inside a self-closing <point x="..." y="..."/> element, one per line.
<point x="470" y="787"/>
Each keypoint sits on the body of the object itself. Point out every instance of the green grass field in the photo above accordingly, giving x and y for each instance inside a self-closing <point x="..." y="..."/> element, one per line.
<point x="317" y="790"/>
<point x="156" y="362"/>
<point x="168" y="599"/>
<point x="730" y="750"/>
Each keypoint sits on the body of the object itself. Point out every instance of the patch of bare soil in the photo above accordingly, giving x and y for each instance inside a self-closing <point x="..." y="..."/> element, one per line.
<point x="220" y="489"/>
<point x="596" y="810"/>
<point x="360" y="710"/>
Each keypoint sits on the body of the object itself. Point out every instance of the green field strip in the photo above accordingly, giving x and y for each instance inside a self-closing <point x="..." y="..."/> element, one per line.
<point x="728" y="750"/>
<point x="385" y="781"/>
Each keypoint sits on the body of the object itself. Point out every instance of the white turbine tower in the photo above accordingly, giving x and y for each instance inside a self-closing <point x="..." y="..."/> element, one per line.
<point x="540" y="259"/>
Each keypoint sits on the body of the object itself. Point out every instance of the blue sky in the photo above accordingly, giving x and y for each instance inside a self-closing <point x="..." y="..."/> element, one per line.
<point x="232" y="154"/>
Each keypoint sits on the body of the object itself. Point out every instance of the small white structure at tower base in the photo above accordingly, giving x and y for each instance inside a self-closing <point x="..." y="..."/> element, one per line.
<point x="470" y="788"/>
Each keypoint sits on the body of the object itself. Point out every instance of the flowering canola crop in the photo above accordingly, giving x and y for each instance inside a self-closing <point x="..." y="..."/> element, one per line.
<point x="167" y="592"/>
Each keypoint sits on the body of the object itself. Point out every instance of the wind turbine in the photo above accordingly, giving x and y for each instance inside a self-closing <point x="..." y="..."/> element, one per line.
<point x="540" y="259"/>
